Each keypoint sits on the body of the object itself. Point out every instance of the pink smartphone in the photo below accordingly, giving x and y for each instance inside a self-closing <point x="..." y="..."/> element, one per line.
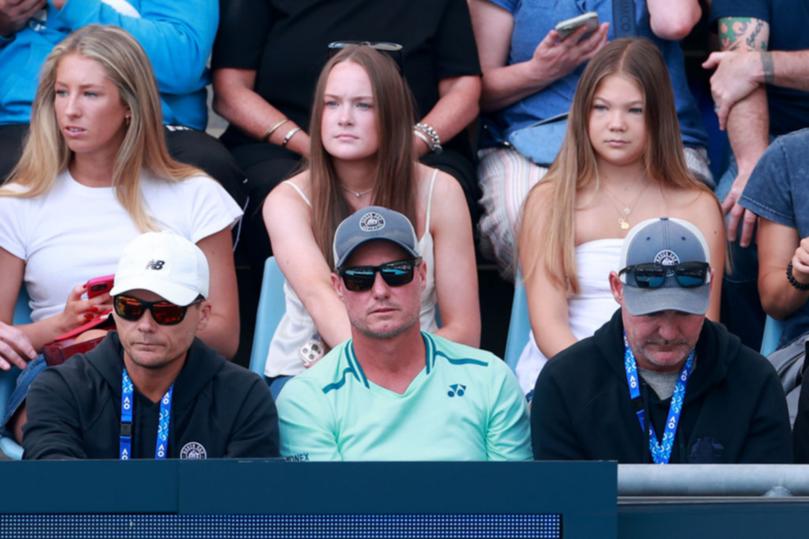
<point x="99" y="285"/>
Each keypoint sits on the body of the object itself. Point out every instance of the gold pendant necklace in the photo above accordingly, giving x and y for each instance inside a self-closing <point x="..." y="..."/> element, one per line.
<point x="623" y="209"/>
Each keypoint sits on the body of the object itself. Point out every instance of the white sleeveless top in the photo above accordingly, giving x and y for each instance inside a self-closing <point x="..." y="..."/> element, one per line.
<point x="296" y="339"/>
<point x="588" y="311"/>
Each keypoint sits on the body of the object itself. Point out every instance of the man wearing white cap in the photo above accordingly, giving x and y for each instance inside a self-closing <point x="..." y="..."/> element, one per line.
<point x="151" y="389"/>
<point x="659" y="383"/>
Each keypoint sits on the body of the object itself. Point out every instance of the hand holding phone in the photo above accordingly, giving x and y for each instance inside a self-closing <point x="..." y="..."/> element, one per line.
<point x="566" y="27"/>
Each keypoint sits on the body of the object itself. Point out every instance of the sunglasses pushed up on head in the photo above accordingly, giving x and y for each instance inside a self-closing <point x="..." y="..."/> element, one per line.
<point x="361" y="278"/>
<point x="163" y="312"/>
<point x="653" y="275"/>
<point x="394" y="50"/>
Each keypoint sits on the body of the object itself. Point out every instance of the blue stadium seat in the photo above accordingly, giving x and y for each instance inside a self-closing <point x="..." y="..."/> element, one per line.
<point x="519" y="327"/>
<point x="22" y="315"/>
<point x="271" y="308"/>
<point x="772" y="335"/>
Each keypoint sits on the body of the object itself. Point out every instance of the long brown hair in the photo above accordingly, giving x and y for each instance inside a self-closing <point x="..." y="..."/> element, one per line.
<point x="575" y="166"/>
<point x="394" y="183"/>
<point x="46" y="154"/>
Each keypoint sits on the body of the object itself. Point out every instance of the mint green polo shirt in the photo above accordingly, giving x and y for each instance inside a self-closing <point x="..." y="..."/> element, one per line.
<point x="464" y="405"/>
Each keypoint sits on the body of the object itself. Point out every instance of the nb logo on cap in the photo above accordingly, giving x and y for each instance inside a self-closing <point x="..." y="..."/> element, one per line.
<point x="156" y="265"/>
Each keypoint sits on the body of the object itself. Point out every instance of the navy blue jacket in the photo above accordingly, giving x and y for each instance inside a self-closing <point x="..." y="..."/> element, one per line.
<point x="74" y="410"/>
<point x="734" y="409"/>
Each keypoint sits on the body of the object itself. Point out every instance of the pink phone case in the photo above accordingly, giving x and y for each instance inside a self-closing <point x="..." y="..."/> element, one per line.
<point x="99" y="285"/>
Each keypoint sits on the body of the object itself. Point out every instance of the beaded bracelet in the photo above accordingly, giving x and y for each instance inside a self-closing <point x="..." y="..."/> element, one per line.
<point x="434" y="142"/>
<point x="273" y="128"/>
<point x="291" y="133"/>
<point x="793" y="281"/>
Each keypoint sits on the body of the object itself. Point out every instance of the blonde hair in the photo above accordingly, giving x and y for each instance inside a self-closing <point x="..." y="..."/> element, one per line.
<point x="46" y="154"/>
<point x="575" y="166"/>
<point x="394" y="184"/>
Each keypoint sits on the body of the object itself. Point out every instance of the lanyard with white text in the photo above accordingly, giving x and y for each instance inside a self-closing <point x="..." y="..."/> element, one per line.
<point x="127" y="402"/>
<point x="661" y="452"/>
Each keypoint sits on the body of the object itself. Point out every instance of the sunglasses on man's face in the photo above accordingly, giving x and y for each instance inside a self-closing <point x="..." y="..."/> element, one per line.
<point x="653" y="275"/>
<point x="394" y="50"/>
<point x="361" y="278"/>
<point x="163" y="312"/>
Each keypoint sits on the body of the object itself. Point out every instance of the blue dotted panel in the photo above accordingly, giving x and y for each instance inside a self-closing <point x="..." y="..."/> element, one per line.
<point x="55" y="526"/>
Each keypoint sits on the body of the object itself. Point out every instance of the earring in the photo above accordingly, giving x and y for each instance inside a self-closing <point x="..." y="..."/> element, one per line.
<point x="127" y="120"/>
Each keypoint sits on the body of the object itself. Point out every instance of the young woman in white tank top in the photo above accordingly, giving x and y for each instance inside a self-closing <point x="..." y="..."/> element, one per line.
<point x="362" y="154"/>
<point x="621" y="163"/>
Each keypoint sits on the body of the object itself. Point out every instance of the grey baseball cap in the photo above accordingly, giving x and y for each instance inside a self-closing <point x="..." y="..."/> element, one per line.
<point x="667" y="241"/>
<point x="373" y="223"/>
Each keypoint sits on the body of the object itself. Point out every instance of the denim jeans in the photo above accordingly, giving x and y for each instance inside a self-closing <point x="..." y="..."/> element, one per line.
<point x="17" y="396"/>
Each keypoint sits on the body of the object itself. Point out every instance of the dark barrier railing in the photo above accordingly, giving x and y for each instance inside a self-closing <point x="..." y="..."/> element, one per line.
<point x="286" y="499"/>
<point x="216" y="499"/>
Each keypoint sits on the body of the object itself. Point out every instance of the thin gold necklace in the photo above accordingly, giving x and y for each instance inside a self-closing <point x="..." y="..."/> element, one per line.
<point x="357" y="194"/>
<point x="624" y="210"/>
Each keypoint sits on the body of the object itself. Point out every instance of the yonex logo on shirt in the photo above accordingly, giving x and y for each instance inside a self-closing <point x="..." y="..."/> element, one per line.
<point x="456" y="389"/>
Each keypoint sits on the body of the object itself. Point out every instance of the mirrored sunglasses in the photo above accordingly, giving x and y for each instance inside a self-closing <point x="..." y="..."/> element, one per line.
<point x="163" y="312"/>
<point x="361" y="278"/>
<point x="653" y="275"/>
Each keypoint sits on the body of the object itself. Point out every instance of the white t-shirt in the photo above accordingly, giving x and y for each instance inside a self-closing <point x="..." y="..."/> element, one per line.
<point x="74" y="233"/>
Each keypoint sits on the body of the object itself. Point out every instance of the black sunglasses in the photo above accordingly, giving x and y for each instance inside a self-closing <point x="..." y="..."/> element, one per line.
<point x="163" y="312"/>
<point x="394" y="50"/>
<point x="397" y="273"/>
<point x="654" y="275"/>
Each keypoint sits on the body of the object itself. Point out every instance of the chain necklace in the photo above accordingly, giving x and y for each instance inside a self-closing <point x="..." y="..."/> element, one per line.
<point x="357" y="194"/>
<point x="623" y="209"/>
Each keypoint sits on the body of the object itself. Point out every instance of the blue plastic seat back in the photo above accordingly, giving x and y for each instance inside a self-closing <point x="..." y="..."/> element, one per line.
<point x="271" y="308"/>
<point x="772" y="335"/>
<point x="519" y="328"/>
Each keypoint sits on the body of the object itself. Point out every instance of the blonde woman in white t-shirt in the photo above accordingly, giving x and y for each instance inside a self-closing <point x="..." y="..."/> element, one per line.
<point x="94" y="173"/>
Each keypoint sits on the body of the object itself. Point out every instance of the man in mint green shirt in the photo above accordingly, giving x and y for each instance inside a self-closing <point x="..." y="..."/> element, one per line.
<point x="393" y="392"/>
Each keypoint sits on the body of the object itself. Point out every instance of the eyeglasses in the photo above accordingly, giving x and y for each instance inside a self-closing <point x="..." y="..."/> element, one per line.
<point x="361" y="278"/>
<point x="163" y="312"/>
<point x="654" y="275"/>
<point x="394" y="50"/>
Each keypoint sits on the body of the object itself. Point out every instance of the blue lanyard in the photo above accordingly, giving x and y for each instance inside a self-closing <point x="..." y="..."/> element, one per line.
<point x="661" y="452"/>
<point x="127" y="402"/>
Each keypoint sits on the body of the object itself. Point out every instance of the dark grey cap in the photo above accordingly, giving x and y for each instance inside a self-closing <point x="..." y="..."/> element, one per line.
<point x="373" y="223"/>
<point x="667" y="241"/>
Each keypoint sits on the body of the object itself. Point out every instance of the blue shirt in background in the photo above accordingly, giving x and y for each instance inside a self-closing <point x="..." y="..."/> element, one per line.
<point x="533" y="19"/>
<point x="177" y="36"/>
<point x="778" y="191"/>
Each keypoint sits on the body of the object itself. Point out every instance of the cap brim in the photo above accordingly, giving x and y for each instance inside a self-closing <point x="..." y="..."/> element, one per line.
<point x="641" y="301"/>
<point x="350" y="251"/>
<point x="174" y="293"/>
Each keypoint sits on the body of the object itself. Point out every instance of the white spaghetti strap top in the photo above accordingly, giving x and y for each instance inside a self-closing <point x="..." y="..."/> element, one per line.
<point x="299" y="191"/>
<point x="296" y="337"/>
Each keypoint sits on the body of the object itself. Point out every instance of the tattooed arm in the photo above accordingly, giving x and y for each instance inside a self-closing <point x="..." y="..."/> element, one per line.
<point x="789" y="69"/>
<point x="742" y="65"/>
<point x="741" y="105"/>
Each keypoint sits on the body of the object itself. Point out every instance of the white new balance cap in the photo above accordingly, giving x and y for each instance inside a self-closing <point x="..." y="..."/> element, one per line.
<point x="164" y="263"/>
